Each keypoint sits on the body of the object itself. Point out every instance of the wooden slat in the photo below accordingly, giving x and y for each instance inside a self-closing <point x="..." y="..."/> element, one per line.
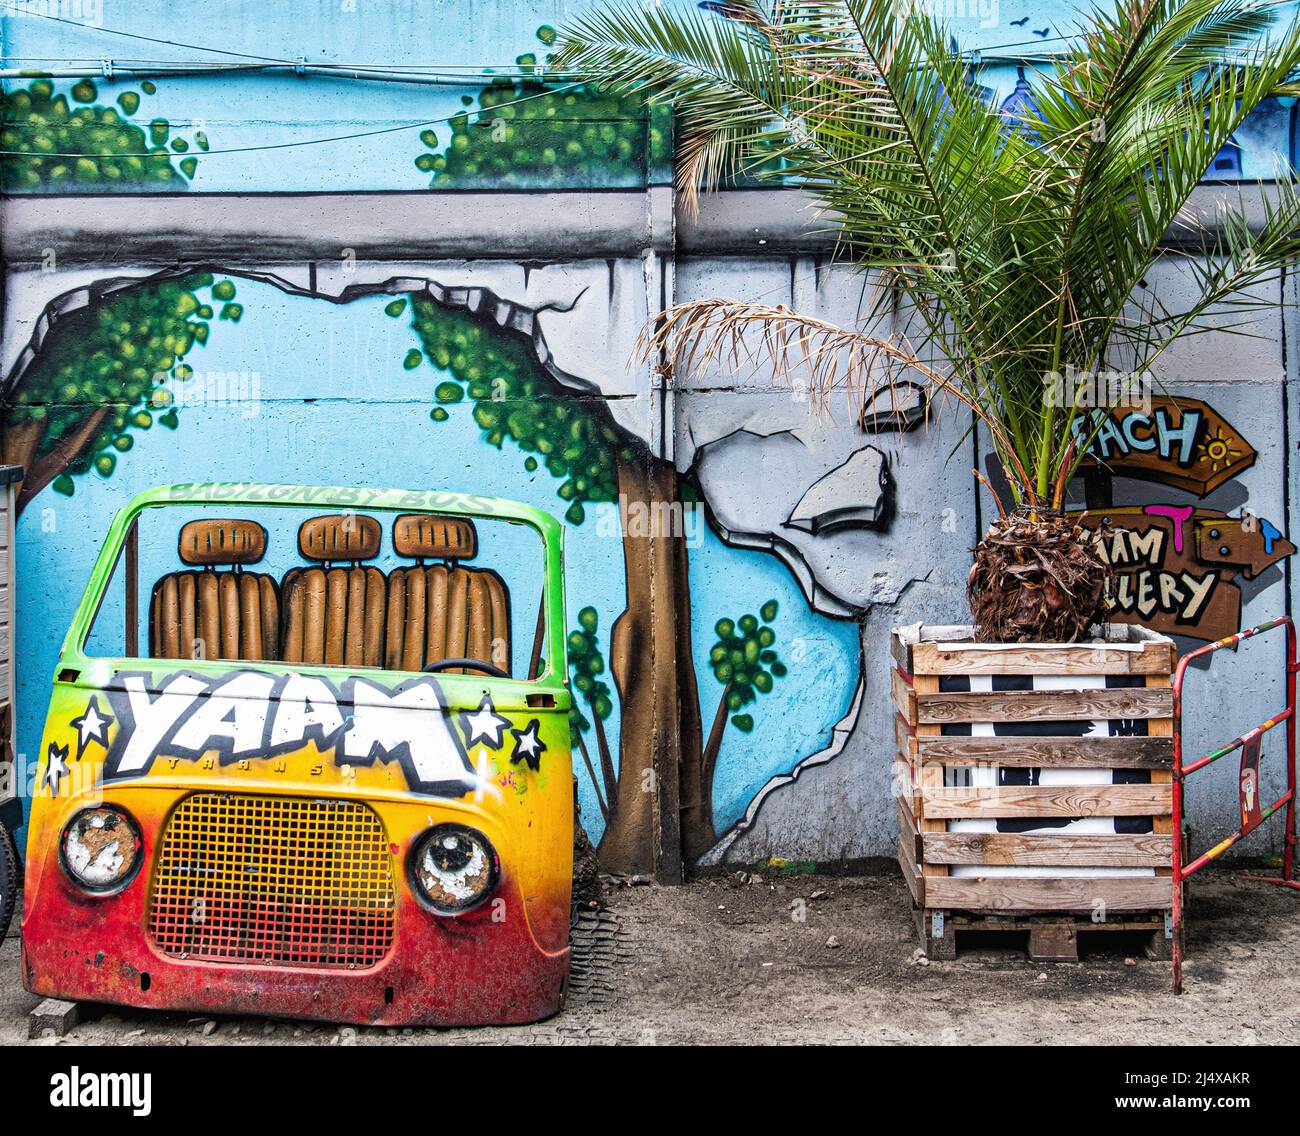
<point x="1043" y="705"/>
<point x="1162" y="728"/>
<point x="1055" y="850"/>
<point x="1153" y="657"/>
<point x="915" y="882"/>
<point x="1057" y="753"/>
<point x="1045" y="801"/>
<point x="907" y="829"/>
<point x="900" y="650"/>
<point x="930" y="778"/>
<point x="973" y="893"/>
<point x="903" y="694"/>
<point x="906" y="779"/>
<point x="904" y="739"/>
<point x="909" y="852"/>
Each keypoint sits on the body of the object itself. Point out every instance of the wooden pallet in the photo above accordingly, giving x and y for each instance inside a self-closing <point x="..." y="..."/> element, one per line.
<point x="931" y="849"/>
<point x="1047" y="938"/>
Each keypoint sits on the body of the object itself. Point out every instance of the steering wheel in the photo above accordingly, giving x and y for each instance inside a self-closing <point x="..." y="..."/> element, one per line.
<point x="470" y="664"/>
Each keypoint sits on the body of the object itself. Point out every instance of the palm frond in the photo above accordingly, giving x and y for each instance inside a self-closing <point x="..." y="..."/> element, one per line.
<point x="1020" y="247"/>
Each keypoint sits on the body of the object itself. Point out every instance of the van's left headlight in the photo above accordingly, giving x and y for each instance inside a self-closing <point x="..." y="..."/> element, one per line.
<point x="100" y="849"/>
<point x="453" y="868"/>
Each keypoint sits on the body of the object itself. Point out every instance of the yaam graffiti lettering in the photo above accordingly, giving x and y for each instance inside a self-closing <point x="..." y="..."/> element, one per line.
<point x="250" y="714"/>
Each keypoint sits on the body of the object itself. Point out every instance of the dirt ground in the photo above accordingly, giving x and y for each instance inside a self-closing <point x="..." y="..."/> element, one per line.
<point x="727" y="960"/>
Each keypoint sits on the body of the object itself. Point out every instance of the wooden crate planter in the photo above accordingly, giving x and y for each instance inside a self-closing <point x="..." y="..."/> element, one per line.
<point x="991" y="739"/>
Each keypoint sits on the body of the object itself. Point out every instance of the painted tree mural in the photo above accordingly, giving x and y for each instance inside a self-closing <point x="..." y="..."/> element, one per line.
<point x="512" y="398"/>
<point x="110" y="369"/>
<point x="528" y="136"/>
<point x="105" y="371"/>
<point x="72" y="141"/>
<point x="746" y="666"/>
<point x="586" y="665"/>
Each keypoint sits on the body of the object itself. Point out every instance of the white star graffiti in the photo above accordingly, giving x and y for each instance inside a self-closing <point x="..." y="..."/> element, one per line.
<point x="528" y="746"/>
<point x="56" y="768"/>
<point x="484" y="725"/>
<point x="92" y="726"/>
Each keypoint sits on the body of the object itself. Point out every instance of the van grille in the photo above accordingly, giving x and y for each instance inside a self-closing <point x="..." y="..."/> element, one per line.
<point x="273" y="880"/>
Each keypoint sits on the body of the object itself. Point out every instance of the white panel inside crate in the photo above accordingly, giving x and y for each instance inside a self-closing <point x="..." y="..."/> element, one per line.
<point x="987" y="777"/>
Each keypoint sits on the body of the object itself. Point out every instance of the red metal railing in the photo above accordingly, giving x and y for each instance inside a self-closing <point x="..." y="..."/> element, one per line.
<point x="1251" y="811"/>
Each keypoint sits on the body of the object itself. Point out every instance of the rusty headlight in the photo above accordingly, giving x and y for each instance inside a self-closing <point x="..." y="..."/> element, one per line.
<point x="453" y="868"/>
<point x="100" y="849"/>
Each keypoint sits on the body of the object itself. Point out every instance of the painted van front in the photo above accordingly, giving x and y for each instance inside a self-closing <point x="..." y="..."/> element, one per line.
<point x="336" y="794"/>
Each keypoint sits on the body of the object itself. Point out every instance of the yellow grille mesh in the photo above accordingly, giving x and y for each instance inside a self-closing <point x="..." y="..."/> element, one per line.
<point x="273" y="880"/>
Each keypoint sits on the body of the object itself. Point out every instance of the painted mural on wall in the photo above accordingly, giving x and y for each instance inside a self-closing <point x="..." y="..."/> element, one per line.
<point x="466" y="406"/>
<point x="108" y="374"/>
<point x="72" y="140"/>
<point x="513" y="129"/>
<point x="1177" y="565"/>
<point x="209" y="373"/>
<point x="521" y="133"/>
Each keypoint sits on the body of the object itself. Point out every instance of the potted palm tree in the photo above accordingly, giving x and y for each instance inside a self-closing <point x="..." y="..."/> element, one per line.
<point x="1021" y="245"/>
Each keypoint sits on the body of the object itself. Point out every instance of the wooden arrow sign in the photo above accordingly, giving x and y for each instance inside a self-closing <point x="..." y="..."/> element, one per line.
<point x="1176" y="565"/>
<point x="1182" y="442"/>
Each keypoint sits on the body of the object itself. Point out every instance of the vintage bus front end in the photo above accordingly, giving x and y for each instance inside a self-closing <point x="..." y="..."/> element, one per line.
<point x="359" y="816"/>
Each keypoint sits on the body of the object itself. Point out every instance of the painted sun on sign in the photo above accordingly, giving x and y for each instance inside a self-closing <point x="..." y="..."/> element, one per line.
<point x="1220" y="452"/>
<point x="1182" y="442"/>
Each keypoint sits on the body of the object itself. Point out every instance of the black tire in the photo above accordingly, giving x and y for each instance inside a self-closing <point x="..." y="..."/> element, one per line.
<point x="8" y="879"/>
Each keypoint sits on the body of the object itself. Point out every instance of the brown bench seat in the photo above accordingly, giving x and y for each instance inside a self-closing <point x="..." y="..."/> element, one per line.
<point x="443" y="611"/>
<point x="216" y="614"/>
<point x="335" y="614"/>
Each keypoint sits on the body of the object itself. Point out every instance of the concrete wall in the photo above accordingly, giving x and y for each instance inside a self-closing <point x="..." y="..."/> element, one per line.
<point x="565" y="258"/>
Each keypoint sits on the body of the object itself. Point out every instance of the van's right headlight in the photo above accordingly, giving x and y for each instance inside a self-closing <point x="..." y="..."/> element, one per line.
<point x="101" y="849"/>
<point x="453" y="868"/>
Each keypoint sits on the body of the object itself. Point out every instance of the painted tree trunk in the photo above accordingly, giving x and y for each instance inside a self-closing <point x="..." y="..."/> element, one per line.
<point x="22" y="443"/>
<point x="596" y="784"/>
<point x="659" y="811"/>
<point x="713" y="747"/>
<point x="608" y="777"/>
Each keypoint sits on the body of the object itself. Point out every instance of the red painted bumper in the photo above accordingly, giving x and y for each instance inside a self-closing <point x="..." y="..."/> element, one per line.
<point x="441" y="971"/>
